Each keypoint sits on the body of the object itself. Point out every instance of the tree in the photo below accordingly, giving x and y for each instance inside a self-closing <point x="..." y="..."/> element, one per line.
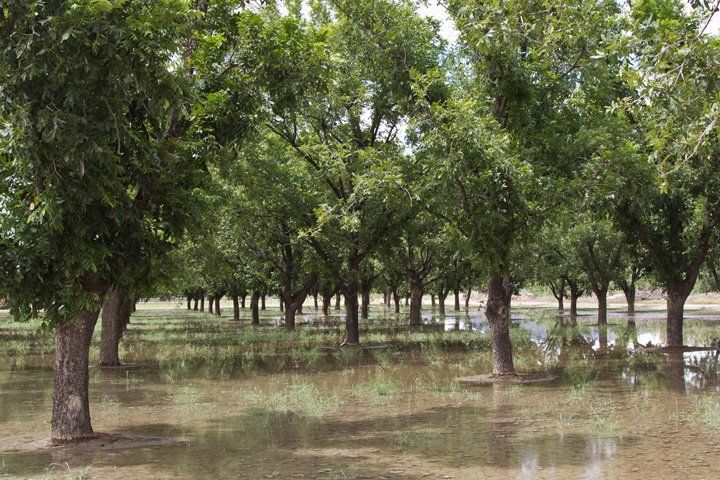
<point x="663" y="181"/>
<point x="92" y="111"/>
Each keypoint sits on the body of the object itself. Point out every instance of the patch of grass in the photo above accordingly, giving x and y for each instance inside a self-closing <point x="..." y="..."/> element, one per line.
<point x="337" y="474"/>
<point x="604" y="420"/>
<point x="583" y="390"/>
<point x="379" y="386"/>
<point x="301" y="398"/>
<point x="707" y="411"/>
<point x="409" y="440"/>
<point x="70" y="474"/>
<point x="187" y="397"/>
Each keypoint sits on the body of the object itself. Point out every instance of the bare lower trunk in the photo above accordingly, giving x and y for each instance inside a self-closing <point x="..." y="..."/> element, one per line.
<point x="282" y="305"/>
<point x="573" y="303"/>
<point x="242" y="301"/>
<point x="211" y="303"/>
<point x="675" y="314"/>
<point x="337" y="301"/>
<point x="326" y="300"/>
<point x="315" y="301"/>
<point x="497" y="311"/>
<point x="467" y="299"/>
<point x="262" y="302"/>
<point x="630" y="298"/>
<point x="442" y="295"/>
<point x="115" y="316"/>
<point x="289" y="316"/>
<point x="217" y="305"/>
<point x="71" y="407"/>
<point x="416" y="295"/>
<point x="255" y="314"/>
<point x="602" y="306"/>
<point x="432" y="300"/>
<point x="189" y="302"/>
<point x="365" y="307"/>
<point x="561" y="303"/>
<point x="202" y="301"/>
<point x="396" y="300"/>
<point x="195" y="304"/>
<point x="457" y="300"/>
<point x="236" y="308"/>
<point x="352" y="326"/>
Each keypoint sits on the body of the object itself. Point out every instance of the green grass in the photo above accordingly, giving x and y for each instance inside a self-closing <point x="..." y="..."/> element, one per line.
<point x="300" y="398"/>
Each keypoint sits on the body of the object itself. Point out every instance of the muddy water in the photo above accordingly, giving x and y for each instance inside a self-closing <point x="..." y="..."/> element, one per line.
<point x="392" y="414"/>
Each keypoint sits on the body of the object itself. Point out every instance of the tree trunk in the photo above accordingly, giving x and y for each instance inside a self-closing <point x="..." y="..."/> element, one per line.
<point x="202" y="301"/>
<point x="254" y="307"/>
<point x="675" y="312"/>
<point x="396" y="300"/>
<point x="365" y="308"/>
<point x="442" y="295"/>
<point x="211" y="303"/>
<point x="416" y="295"/>
<point x="242" y="301"/>
<point x="629" y="292"/>
<point x="71" y="406"/>
<point x="262" y="302"/>
<point x="236" y="308"/>
<point x="467" y="299"/>
<point x="352" y="326"/>
<point x="289" y="316"/>
<point x="457" y="299"/>
<point x="602" y="305"/>
<point x="189" y="302"/>
<point x="282" y="305"/>
<point x="432" y="300"/>
<point x="337" y="301"/>
<point x="326" y="300"/>
<point x="115" y="316"/>
<point x="497" y="311"/>
<point x="195" y="303"/>
<point x="217" y="304"/>
<point x="315" y="301"/>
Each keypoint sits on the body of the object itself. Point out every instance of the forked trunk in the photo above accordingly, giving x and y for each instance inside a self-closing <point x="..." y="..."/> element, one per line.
<point x="71" y="407"/>
<point x="236" y="308"/>
<point x="416" y="295"/>
<point x="254" y="312"/>
<point x="442" y="295"/>
<point x="629" y="292"/>
<point x="497" y="311"/>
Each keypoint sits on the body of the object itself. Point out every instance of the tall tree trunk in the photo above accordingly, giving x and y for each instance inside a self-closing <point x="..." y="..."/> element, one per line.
<point x="467" y="299"/>
<point x="236" y="307"/>
<point x="601" y="295"/>
<point x="326" y="300"/>
<point x="352" y="322"/>
<point x="365" y="307"/>
<point x="282" y="304"/>
<point x="442" y="295"/>
<point x="432" y="300"/>
<point x="337" y="301"/>
<point x="71" y="406"/>
<point x="416" y="295"/>
<point x="195" y="303"/>
<point x="315" y="300"/>
<point x="255" y="314"/>
<point x="396" y="300"/>
<point x="217" y="304"/>
<point x="242" y="301"/>
<point x="262" y="302"/>
<point x="629" y="291"/>
<point x="211" y="303"/>
<point x="676" y="299"/>
<point x="202" y="300"/>
<point x="289" y="316"/>
<point x="189" y="302"/>
<point x="457" y="299"/>
<point x="115" y="316"/>
<point x="497" y="311"/>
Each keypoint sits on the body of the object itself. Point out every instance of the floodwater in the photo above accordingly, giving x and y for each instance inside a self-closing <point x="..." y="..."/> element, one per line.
<point x="249" y="410"/>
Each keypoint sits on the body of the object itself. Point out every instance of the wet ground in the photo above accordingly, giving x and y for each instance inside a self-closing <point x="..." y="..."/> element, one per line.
<point x="260" y="403"/>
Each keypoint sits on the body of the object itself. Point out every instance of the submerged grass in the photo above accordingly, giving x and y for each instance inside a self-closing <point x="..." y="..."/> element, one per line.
<point x="707" y="411"/>
<point x="301" y="398"/>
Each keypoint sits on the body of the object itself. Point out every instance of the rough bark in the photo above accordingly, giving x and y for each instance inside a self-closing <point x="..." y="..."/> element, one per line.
<point x="396" y="300"/>
<point x="236" y="308"/>
<point x="457" y="299"/>
<point x="337" y="301"/>
<point x="71" y="407"/>
<point x="326" y="300"/>
<point x="115" y="317"/>
<point x="676" y="297"/>
<point x="211" y="303"/>
<point x="217" y="304"/>
<point x="602" y="305"/>
<point x="630" y="292"/>
<point x="254" y="312"/>
<point x="416" y="294"/>
<point x="262" y="302"/>
<point x="497" y="311"/>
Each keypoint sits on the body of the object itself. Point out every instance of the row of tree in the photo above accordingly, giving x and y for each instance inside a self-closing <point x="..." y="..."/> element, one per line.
<point x="331" y="146"/>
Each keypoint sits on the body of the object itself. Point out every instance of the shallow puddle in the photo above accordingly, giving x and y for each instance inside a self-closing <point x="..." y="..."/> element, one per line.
<point x="257" y="405"/>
